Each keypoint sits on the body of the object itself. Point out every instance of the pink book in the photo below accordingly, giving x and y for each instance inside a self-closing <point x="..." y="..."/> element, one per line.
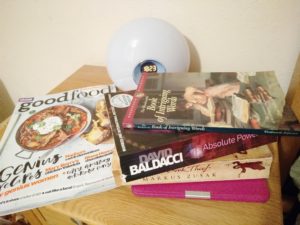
<point x="253" y="190"/>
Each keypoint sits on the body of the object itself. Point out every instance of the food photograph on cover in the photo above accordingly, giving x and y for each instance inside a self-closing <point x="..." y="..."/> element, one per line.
<point x="57" y="125"/>
<point x="99" y="131"/>
<point x="52" y="127"/>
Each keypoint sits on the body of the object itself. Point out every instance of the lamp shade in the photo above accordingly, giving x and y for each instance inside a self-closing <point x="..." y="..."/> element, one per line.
<point x="146" y="45"/>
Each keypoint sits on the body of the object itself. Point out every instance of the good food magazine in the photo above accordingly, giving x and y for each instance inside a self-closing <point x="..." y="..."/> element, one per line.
<point x="56" y="147"/>
<point x="147" y="152"/>
<point x="215" y="102"/>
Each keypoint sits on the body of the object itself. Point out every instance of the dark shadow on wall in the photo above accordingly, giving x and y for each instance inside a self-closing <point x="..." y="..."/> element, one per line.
<point x="195" y="63"/>
<point x="6" y="103"/>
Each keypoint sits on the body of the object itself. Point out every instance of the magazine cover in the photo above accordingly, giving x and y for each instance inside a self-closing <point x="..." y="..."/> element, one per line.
<point x="147" y="152"/>
<point x="217" y="102"/>
<point x="253" y="163"/>
<point x="56" y="147"/>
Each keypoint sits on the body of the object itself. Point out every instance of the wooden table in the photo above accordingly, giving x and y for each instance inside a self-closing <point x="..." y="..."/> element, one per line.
<point x="120" y="206"/>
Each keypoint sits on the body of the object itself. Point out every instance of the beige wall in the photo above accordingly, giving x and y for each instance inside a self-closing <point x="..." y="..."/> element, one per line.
<point x="43" y="41"/>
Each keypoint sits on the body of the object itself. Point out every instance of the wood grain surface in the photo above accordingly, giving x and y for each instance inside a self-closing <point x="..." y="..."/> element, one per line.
<point x="120" y="206"/>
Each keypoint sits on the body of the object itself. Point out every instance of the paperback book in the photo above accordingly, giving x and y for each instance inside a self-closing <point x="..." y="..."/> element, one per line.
<point x="214" y="102"/>
<point x="56" y="147"/>
<point x="250" y="164"/>
<point x="147" y="152"/>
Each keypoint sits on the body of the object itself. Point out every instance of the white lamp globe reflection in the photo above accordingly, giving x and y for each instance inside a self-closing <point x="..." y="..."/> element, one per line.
<point x="146" y="45"/>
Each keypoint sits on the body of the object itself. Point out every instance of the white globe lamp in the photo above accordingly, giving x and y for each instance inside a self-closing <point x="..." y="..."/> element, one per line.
<point x="146" y="45"/>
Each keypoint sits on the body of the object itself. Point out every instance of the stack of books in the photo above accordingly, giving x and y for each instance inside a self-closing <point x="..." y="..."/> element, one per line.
<point x="194" y="135"/>
<point x="199" y="135"/>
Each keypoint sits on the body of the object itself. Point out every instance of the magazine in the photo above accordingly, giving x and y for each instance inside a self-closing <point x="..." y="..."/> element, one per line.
<point x="56" y="147"/>
<point x="253" y="163"/>
<point x="216" y="102"/>
<point x="147" y="152"/>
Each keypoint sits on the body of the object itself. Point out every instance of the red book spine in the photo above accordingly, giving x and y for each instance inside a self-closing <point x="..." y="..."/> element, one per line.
<point x="128" y="118"/>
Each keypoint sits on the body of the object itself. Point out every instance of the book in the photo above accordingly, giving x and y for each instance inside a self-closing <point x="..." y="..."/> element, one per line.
<point x="56" y="147"/>
<point x="215" y="102"/>
<point x="144" y="153"/>
<point x="256" y="190"/>
<point x="250" y="164"/>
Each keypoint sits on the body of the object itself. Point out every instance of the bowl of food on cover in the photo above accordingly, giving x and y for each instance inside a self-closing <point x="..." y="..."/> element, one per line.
<point x="52" y="127"/>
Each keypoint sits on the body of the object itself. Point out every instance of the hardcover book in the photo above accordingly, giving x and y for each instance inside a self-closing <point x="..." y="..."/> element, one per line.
<point x="147" y="152"/>
<point x="250" y="164"/>
<point x="215" y="102"/>
<point x="56" y="147"/>
<point x="256" y="190"/>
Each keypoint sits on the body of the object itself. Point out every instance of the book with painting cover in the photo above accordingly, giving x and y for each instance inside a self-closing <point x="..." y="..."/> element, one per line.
<point x="56" y="147"/>
<point x="147" y="152"/>
<point x="253" y="163"/>
<point x="216" y="102"/>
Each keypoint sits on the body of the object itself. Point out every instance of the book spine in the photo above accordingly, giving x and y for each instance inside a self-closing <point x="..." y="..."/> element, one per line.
<point x="189" y="128"/>
<point x="128" y="118"/>
<point x="241" y="169"/>
<point x="193" y="150"/>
